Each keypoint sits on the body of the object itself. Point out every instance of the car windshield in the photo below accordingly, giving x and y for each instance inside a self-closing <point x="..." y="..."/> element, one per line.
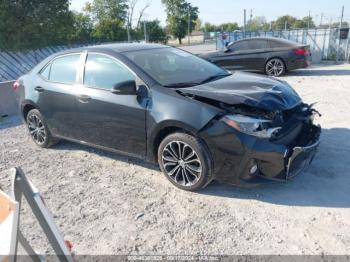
<point x="173" y="67"/>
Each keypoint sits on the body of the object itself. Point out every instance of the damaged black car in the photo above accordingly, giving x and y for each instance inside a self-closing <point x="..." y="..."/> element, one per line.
<point x="198" y="121"/>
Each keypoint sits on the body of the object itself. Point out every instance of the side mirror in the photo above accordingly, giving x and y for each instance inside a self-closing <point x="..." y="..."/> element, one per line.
<point x="125" y="88"/>
<point x="227" y="50"/>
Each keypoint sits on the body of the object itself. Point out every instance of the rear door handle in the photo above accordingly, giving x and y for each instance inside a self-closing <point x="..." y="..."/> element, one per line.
<point x="39" y="89"/>
<point x="84" y="98"/>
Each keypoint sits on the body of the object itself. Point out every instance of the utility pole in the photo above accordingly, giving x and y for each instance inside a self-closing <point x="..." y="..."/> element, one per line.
<point x="189" y="26"/>
<point x="308" y="20"/>
<point x="245" y="21"/>
<point x="128" y="30"/>
<point x="321" y="20"/>
<point x="145" y="30"/>
<point x="340" y="26"/>
<point x="250" y="20"/>
<point x="285" y="25"/>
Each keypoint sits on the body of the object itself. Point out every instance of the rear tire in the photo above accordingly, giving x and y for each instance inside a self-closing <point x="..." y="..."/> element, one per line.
<point x="275" y="67"/>
<point x="38" y="129"/>
<point x="186" y="161"/>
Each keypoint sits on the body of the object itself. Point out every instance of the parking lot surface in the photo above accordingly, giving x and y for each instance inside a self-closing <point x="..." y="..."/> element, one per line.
<point x="109" y="204"/>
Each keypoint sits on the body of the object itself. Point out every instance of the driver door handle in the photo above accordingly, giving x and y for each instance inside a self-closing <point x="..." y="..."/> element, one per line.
<point x="39" y="89"/>
<point x="84" y="98"/>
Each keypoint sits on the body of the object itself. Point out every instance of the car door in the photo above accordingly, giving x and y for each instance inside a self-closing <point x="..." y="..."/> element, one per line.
<point x="233" y="57"/>
<point x="256" y="54"/>
<point x="106" y="119"/>
<point x="56" y="97"/>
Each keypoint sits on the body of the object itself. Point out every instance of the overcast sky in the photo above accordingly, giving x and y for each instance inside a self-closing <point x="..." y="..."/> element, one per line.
<point x="220" y="11"/>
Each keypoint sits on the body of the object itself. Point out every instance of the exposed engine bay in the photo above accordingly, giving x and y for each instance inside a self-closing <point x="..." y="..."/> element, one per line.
<point x="287" y="124"/>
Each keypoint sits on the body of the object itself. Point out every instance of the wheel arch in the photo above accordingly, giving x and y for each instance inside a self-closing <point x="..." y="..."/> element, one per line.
<point x="26" y="106"/>
<point x="163" y="130"/>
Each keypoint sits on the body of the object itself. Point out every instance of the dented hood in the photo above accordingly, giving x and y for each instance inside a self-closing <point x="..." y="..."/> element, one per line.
<point x="248" y="89"/>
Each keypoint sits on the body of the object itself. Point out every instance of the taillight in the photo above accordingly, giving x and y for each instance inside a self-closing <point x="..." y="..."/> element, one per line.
<point x="15" y="86"/>
<point x="301" y="51"/>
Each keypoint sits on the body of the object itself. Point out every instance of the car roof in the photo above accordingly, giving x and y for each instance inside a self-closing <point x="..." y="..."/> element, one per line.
<point x="118" y="48"/>
<point x="275" y="39"/>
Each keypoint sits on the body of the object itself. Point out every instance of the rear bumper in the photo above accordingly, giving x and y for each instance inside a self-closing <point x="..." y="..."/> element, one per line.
<point x="299" y="62"/>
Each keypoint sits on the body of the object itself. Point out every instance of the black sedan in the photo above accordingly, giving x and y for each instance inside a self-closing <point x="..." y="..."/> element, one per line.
<point x="196" y="120"/>
<point x="273" y="56"/>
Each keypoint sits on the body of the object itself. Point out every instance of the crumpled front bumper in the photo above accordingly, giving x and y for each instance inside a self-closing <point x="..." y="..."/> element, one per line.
<point x="300" y="159"/>
<point x="236" y="153"/>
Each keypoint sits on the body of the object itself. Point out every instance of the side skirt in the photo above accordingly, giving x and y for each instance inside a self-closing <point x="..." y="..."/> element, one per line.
<point x="112" y="150"/>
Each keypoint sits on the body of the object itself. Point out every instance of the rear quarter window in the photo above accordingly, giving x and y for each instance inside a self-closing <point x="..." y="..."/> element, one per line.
<point x="280" y="44"/>
<point x="45" y="72"/>
<point x="257" y="44"/>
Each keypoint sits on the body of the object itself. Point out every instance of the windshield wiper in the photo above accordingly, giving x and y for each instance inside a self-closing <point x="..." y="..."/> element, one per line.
<point x="184" y="84"/>
<point x="214" y="77"/>
<point x="189" y="84"/>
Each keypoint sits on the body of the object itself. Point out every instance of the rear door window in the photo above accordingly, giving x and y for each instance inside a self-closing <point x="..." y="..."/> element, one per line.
<point x="274" y="44"/>
<point x="64" y="69"/>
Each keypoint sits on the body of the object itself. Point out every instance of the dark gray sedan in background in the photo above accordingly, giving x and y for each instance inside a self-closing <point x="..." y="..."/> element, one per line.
<point x="273" y="56"/>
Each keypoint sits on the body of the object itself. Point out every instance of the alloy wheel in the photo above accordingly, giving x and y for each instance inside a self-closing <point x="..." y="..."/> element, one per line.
<point x="275" y="67"/>
<point x="181" y="163"/>
<point x="37" y="129"/>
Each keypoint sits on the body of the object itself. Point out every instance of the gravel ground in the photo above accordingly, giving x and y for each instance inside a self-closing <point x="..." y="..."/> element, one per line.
<point x="109" y="204"/>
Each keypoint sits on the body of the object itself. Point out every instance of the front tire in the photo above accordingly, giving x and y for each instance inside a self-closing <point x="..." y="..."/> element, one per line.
<point x="275" y="67"/>
<point x="38" y="129"/>
<point x="186" y="162"/>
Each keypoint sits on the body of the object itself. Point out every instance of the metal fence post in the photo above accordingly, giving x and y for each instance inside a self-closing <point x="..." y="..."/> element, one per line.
<point x="315" y="40"/>
<point x="347" y="49"/>
<point x="324" y="42"/>
<point x="297" y="38"/>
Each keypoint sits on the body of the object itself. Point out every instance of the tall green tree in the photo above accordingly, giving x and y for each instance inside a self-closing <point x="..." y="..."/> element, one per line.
<point x="257" y="23"/>
<point x="198" y="25"/>
<point x="82" y="28"/>
<point x="109" y="18"/>
<point x="109" y="30"/>
<point x="179" y="14"/>
<point x="229" y="27"/>
<point x="292" y="22"/>
<point x="225" y="27"/>
<point x="102" y="10"/>
<point x="29" y="24"/>
<point x="155" y="32"/>
<point x="208" y="27"/>
<point x="304" y="23"/>
<point x="283" y="21"/>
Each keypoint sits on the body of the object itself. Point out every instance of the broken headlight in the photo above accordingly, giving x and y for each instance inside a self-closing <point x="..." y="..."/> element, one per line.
<point x="252" y="126"/>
